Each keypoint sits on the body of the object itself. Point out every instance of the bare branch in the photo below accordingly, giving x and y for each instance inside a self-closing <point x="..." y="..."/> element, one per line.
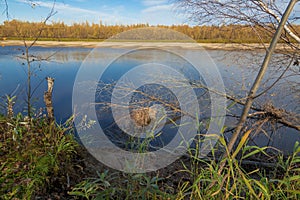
<point x="51" y="13"/>
<point x="286" y="28"/>
<point x="252" y="12"/>
<point x="6" y="9"/>
<point x="258" y="79"/>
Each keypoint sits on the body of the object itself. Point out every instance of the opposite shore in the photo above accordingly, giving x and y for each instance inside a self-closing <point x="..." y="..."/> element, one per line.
<point x="131" y="44"/>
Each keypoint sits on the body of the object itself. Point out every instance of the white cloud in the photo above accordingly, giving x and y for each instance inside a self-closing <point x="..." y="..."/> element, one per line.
<point x="60" y="7"/>
<point x="65" y="8"/>
<point x="70" y="14"/>
<point x="159" y="12"/>
<point x="154" y="2"/>
<point x="158" y="8"/>
<point x="154" y="12"/>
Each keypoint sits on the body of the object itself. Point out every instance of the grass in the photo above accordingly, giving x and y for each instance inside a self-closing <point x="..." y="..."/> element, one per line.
<point x="194" y="178"/>
<point x="35" y="156"/>
<point x="40" y="161"/>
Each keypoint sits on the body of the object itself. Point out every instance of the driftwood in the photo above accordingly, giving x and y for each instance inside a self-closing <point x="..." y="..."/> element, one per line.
<point x="282" y="116"/>
<point x="48" y="99"/>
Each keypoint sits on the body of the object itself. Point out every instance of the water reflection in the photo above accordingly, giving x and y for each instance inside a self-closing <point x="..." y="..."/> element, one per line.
<point x="238" y="70"/>
<point x="148" y="97"/>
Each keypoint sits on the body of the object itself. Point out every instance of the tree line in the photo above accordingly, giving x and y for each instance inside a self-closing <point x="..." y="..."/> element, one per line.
<point x="16" y="29"/>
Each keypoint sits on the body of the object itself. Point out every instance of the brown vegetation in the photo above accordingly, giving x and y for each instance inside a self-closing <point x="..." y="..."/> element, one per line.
<point x="143" y="116"/>
<point x="15" y="29"/>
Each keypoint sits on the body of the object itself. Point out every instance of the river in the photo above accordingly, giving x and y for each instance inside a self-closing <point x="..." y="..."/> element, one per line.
<point x="237" y="69"/>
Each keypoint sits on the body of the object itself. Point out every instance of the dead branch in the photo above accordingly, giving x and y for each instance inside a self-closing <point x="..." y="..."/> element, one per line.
<point x="278" y="19"/>
<point x="258" y="80"/>
<point x="290" y="120"/>
<point x="6" y="9"/>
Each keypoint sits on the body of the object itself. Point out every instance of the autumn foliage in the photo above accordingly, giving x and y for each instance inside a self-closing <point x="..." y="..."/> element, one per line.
<point x="15" y="29"/>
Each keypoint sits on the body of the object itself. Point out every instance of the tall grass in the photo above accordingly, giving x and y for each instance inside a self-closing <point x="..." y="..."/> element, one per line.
<point x="36" y="159"/>
<point x="35" y="155"/>
<point x="200" y="178"/>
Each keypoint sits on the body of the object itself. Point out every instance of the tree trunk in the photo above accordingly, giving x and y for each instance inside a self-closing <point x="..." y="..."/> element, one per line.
<point x="256" y="84"/>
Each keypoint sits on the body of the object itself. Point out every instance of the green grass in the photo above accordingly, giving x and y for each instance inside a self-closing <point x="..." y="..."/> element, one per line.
<point x="199" y="179"/>
<point x="35" y="155"/>
<point x="39" y="160"/>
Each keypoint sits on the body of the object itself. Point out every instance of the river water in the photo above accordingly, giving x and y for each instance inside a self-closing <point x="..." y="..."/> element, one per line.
<point x="237" y="68"/>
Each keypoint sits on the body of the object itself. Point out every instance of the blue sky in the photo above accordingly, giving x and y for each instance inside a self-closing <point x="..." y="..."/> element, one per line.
<point x="109" y="11"/>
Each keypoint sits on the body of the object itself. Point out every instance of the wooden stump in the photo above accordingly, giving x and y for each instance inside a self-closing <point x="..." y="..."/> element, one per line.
<point x="10" y="104"/>
<point x="48" y="99"/>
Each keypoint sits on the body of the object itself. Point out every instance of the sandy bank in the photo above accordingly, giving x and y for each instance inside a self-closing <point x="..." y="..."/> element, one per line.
<point x="216" y="46"/>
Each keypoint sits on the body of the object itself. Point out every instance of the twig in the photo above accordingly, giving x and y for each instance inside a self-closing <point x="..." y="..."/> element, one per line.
<point x="276" y="81"/>
<point x="6" y="9"/>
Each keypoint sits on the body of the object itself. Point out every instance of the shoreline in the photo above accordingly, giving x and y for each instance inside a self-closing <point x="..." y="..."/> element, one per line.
<point x="121" y="44"/>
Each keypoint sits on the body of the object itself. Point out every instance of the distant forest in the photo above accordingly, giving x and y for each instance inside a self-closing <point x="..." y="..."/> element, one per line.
<point x="60" y="31"/>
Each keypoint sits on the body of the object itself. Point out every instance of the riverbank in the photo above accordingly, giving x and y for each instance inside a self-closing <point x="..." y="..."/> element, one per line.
<point x="118" y="44"/>
<point x="39" y="161"/>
